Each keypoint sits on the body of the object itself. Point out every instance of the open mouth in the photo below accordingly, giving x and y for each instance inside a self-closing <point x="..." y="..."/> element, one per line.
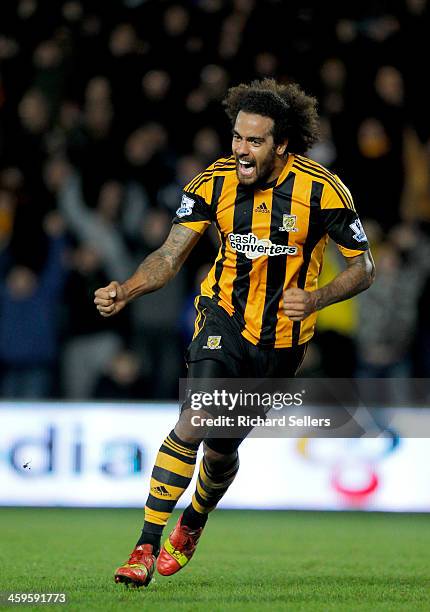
<point x="245" y="168"/>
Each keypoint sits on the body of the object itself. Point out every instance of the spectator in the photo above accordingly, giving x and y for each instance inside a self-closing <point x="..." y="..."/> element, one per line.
<point x="156" y="336"/>
<point x="96" y="227"/>
<point x="385" y="338"/>
<point x="122" y="379"/>
<point x="88" y="343"/>
<point x="29" y="321"/>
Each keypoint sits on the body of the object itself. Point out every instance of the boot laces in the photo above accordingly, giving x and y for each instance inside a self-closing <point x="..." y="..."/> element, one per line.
<point x="139" y="556"/>
<point x="188" y="538"/>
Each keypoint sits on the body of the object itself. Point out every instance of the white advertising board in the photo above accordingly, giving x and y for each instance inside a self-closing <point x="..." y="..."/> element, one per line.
<point x="63" y="454"/>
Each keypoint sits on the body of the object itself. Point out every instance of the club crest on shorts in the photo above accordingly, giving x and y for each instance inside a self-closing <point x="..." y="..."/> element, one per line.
<point x="288" y="223"/>
<point x="213" y="343"/>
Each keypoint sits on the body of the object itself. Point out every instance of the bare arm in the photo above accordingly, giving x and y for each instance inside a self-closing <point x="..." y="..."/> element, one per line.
<point x="152" y="274"/>
<point x="163" y="264"/>
<point x="358" y="276"/>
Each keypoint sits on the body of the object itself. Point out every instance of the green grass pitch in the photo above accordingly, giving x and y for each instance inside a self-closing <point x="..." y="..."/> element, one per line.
<point x="251" y="561"/>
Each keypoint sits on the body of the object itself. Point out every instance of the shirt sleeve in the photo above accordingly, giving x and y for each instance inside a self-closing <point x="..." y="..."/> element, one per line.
<point x="195" y="208"/>
<point x="193" y="212"/>
<point x="341" y="220"/>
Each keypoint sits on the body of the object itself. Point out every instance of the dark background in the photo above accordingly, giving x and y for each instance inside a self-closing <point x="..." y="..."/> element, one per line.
<point x="108" y="108"/>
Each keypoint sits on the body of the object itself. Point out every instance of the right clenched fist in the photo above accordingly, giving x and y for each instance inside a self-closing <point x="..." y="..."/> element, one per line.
<point x="111" y="299"/>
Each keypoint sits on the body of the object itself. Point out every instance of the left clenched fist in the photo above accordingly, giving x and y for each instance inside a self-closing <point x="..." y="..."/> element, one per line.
<point x="299" y="304"/>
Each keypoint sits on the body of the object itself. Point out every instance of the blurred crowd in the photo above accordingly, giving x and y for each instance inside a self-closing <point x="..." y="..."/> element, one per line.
<point x="107" y="109"/>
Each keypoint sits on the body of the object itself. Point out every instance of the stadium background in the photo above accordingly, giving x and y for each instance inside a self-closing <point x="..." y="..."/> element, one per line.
<point x="106" y="111"/>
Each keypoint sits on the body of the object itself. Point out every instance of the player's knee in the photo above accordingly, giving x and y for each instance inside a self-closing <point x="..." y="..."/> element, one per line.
<point x="219" y="459"/>
<point x="185" y="430"/>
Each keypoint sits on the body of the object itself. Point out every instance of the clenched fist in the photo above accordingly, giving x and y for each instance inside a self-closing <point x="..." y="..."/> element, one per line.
<point x="111" y="299"/>
<point x="299" y="304"/>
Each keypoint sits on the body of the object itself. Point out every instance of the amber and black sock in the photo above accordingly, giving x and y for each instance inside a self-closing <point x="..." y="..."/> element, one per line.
<point x="212" y="484"/>
<point x="171" y="475"/>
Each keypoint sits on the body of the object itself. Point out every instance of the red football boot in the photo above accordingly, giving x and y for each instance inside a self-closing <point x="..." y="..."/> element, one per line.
<point x="139" y="568"/>
<point x="178" y="549"/>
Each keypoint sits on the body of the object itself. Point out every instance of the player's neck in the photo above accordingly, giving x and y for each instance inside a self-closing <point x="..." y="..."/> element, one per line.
<point x="280" y="163"/>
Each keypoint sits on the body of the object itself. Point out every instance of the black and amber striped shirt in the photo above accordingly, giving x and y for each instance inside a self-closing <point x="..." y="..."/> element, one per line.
<point x="271" y="239"/>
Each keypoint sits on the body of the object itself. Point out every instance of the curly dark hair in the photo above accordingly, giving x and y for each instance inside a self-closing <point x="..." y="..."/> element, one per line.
<point x="294" y="113"/>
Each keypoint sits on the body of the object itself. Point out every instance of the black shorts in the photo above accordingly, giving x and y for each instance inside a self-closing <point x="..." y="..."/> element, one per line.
<point x="220" y="351"/>
<point x="219" y="338"/>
